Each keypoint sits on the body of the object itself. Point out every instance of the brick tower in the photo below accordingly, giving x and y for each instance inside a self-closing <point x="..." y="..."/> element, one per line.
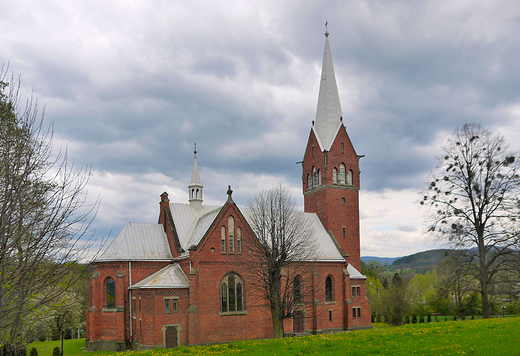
<point x="331" y="168"/>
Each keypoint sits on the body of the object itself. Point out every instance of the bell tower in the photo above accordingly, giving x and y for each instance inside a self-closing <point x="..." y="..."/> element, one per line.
<point x="331" y="168"/>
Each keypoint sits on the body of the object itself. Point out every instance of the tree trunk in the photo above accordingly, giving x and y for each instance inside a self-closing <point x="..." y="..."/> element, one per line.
<point x="277" y="323"/>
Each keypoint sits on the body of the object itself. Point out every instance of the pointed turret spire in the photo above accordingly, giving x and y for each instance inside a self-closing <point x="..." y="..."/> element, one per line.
<point x="195" y="187"/>
<point x="328" y="114"/>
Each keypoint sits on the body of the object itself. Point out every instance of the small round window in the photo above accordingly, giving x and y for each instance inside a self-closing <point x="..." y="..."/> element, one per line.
<point x="342" y="200"/>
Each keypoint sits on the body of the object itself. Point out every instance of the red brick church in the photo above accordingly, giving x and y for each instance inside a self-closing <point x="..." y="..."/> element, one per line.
<point x="184" y="281"/>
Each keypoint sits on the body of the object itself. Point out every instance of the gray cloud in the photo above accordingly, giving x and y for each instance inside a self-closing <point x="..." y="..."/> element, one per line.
<point x="131" y="86"/>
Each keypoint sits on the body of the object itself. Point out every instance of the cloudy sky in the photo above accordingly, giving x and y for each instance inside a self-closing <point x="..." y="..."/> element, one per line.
<point x="131" y="85"/>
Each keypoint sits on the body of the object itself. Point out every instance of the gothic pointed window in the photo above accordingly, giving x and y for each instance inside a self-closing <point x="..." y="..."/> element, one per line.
<point x="329" y="290"/>
<point x="342" y="174"/>
<point x="319" y="177"/>
<point x="239" y="239"/>
<point x="110" y="287"/>
<point x="334" y="176"/>
<point x="309" y="181"/>
<point x="297" y="289"/>
<point x="231" y="294"/>
<point x="349" y="177"/>
<point x="231" y="230"/>
<point x="314" y="177"/>
<point x="223" y="238"/>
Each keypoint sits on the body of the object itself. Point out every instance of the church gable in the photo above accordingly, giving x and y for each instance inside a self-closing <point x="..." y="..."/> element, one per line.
<point x="225" y="235"/>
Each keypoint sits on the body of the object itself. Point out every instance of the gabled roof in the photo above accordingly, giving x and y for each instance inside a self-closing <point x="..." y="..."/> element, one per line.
<point x="328" y="113"/>
<point x="138" y="242"/>
<point x="171" y="276"/>
<point x="149" y="241"/>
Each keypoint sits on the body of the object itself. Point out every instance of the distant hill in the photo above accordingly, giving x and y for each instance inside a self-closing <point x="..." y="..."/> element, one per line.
<point x="422" y="261"/>
<point x="382" y="260"/>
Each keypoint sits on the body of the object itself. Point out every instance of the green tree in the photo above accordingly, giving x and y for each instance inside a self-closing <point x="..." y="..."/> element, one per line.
<point x="396" y="301"/>
<point x="43" y="215"/>
<point x="474" y="204"/>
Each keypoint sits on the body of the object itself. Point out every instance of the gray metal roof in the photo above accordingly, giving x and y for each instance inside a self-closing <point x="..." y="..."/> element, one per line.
<point x="325" y="248"/>
<point x="186" y="220"/>
<point x="171" y="276"/>
<point x="354" y="273"/>
<point x="138" y="242"/>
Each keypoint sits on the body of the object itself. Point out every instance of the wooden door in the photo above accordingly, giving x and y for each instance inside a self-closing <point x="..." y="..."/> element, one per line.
<point x="298" y="322"/>
<point x="171" y="337"/>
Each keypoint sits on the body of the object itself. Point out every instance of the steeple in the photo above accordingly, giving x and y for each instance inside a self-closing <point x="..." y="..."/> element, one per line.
<point x="328" y="114"/>
<point x="195" y="187"/>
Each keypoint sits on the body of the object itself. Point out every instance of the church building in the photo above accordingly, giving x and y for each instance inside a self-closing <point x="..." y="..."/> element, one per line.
<point x="185" y="281"/>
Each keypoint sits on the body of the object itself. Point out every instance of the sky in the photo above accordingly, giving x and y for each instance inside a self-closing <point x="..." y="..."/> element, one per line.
<point x="131" y="86"/>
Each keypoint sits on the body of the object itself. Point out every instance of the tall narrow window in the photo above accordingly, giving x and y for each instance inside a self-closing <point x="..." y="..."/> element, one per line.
<point x="309" y="181"/>
<point x="223" y="238"/>
<point x="224" y="296"/>
<point x="231" y="230"/>
<point x="239" y="239"/>
<point x="334" y="176"/>
<point x="297" y="289"/>
<point x="231" y="294"/>
<point x="319" y="177"/>
<point x="314" y="177"/>
<point x="312" y="150"/>
<point x="329" y="297"/>
<point x="342" y="147"/>
<point x="342" y="173"/>
<point x="344" y="232"/>
<point x="110" y="293"/>
<point x="349" y="177"/>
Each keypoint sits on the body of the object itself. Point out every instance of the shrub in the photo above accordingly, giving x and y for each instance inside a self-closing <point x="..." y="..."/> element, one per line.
<point x="56" y="351"/>
<point x="33" y="352"/>
<point x="429" y="320"/>
<point x="421" y="319"/>
<point x="414" y="319"/>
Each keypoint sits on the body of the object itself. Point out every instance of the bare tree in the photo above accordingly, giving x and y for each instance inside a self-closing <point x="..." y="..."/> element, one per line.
<point x="282" y="251"/>
<point x="474" y="203"/>
<point x="44" y="215"/>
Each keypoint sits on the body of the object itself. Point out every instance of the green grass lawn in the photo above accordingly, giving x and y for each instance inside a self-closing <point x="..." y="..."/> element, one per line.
<point x="471" y="337"/>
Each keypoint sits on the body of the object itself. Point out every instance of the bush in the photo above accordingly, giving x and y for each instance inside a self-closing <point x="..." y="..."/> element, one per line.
<point x="421" y="319"/>
<point x="407" y="319"/>
<point x="56" y="351"/>
<point x="33" y="352"/>
<point x="414" y="319"/>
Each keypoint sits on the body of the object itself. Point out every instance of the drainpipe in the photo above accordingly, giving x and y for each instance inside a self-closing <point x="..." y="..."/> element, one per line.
<point x="130" y="299"/>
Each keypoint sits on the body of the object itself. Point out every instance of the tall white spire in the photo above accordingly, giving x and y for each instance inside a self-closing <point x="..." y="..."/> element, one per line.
<point x="195" y="187"/>
<point x="328" y="114"/>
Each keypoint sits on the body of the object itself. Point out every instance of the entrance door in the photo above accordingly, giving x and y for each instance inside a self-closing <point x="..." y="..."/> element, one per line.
<point x="298" y="319"/>
<point x="171" y="337"/>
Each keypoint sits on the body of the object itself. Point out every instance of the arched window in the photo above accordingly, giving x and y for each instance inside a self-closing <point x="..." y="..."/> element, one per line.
<point x="309" y="181"/>
<point x="314" y="177"/>
<point x="319" y="177"/>
<point x="349" y="177"/>
<point x="329" y="290"/>
<point x="231" y="230"/>
<point x="342" y="174"/>
<point x="223" y="238"/>
<point x="110" y="287"/>
<point x="334" y="176"/>
<point x="239" y="239"/>
<point x="231" y="294"/>
<point x="297" y="289"/>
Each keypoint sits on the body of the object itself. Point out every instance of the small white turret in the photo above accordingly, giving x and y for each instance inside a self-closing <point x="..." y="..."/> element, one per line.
<point x="195" y="187"/>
